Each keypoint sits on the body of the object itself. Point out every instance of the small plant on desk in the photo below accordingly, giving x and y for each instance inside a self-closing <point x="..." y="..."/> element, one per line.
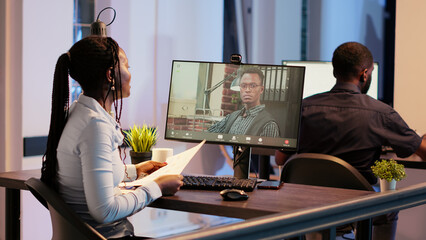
<point x="141" y="140"/>
<point x="389" y="172"/>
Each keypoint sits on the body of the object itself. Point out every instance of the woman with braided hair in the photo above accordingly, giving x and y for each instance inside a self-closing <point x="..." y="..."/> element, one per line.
<point x="83" y="157"/>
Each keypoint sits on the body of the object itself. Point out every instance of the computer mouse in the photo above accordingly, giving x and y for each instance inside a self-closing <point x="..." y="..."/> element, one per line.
<point x="233" y="195"/>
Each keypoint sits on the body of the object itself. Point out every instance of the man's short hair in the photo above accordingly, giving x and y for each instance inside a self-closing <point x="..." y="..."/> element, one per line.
<point x="256" y="70"/>
<point x="350" y="58"/>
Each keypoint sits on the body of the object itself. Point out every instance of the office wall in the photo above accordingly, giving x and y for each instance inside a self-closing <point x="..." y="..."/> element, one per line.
<point x="288" y="25"/>
<point x="10" y="92"/>
<point x="410" y="49"/>
<point x="47" y="33"/>
<point x="333" y="22"/>
<point x="409" y="98"/>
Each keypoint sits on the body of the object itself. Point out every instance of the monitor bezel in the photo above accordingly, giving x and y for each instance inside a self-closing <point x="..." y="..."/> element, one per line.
<point x="256" y="146"/>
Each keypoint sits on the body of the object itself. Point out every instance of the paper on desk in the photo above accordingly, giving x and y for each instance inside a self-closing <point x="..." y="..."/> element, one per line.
<point x="175" y="165"/>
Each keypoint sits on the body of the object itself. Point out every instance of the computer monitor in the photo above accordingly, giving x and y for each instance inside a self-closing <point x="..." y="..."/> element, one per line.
<point x="205" y="102"/>
<point x="319" y="77"/>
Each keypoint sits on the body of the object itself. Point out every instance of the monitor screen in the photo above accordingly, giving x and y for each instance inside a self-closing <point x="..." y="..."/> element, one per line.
<point x="230" y="104"/>
<point x="319" y="77"/>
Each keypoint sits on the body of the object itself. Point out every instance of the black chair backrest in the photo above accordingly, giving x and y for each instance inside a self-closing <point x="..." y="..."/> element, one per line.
<point x="66" y="224"/>
<point x="323" y="170"/>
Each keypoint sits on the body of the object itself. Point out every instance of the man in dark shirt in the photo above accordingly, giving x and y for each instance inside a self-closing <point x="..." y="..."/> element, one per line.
<point x="347" y="123"/>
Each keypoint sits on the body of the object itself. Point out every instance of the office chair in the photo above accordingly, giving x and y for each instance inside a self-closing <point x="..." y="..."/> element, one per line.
<point x="327" y="171"/>
<point x="323" y="170"/>
<point x="66" y="224"/>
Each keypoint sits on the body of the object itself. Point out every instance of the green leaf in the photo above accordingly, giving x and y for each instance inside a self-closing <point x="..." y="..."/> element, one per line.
<point x="388" y="169"/>
<point x="141" y="139"/>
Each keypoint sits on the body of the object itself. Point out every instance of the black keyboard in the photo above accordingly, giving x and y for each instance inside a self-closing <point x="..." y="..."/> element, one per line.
<point x="217" y="183"/>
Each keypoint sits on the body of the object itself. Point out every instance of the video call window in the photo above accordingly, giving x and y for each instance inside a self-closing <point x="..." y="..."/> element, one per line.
<point x="252" y="105"/>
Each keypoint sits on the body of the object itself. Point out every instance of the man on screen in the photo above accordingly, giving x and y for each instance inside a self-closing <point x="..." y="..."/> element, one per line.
<point x="252" y="119"/>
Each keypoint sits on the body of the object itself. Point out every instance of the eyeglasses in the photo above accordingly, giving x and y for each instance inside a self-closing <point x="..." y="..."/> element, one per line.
<point x="249" y="86"/>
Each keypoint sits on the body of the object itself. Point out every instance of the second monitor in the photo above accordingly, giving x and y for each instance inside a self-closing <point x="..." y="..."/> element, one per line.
<point x="319" y="77"/>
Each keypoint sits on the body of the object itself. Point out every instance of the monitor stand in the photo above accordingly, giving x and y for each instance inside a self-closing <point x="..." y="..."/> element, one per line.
<point x="241" y="166"/>
<point x="242" y="161"/>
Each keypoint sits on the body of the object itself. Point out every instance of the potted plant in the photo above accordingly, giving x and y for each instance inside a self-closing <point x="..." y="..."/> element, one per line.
<point x="389" y="172"/>
<point x="141" y="140"/>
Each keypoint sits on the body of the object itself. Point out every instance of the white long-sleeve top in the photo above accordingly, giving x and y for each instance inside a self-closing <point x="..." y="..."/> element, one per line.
<point x="90" y="170"/>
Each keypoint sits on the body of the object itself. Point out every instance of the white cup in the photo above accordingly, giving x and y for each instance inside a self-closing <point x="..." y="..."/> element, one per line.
<point x="161" y="154"/>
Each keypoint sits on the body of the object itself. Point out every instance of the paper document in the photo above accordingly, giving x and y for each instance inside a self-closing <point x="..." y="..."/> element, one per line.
<point x="175" y="165"/>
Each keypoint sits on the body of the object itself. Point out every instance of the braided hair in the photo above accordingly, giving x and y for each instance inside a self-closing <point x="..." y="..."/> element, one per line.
<point x="87" y="62"/>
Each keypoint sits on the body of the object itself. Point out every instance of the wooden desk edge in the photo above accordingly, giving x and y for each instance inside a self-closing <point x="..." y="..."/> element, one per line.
<point x="412" y="164"/>
<point x="212" y="204"/>
<point x="210" y="209"/>
<point x="413" y="161"/>
<point x="16" y="179"/>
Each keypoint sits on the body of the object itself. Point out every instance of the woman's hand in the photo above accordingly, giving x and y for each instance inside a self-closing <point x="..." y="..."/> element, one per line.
<point x="169" y="184"/>
<point x="148" y="167"/>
